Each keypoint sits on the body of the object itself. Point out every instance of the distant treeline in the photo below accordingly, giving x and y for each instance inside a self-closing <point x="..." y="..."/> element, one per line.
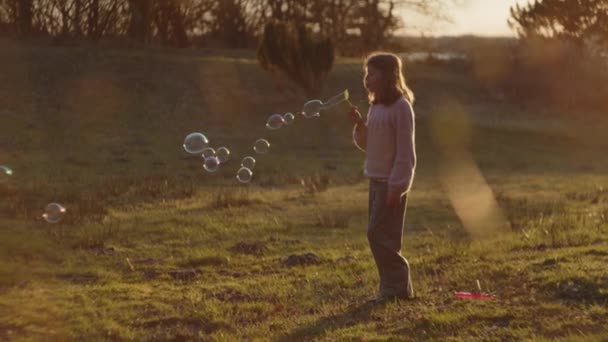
<point x="351" y="24"/>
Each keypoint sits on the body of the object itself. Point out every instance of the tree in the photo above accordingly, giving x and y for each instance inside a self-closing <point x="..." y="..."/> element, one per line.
<point x="170" y="23"/>
<point x="293" y="50"/>
<point x="230" y="25"/>
<point x="375" y="21"/>
<point x="355" y="26"/>
<point x="574" y="20"/>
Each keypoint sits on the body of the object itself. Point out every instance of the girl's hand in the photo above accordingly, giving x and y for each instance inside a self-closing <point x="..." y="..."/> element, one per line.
<point x="393" y="198"/>
<point x="354" y="116"/>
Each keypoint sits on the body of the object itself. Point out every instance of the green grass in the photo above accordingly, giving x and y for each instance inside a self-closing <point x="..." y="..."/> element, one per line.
<point x="152" y="248"/>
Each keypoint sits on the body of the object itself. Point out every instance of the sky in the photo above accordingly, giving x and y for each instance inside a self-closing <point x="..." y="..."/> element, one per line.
<point x="477" y="17"/>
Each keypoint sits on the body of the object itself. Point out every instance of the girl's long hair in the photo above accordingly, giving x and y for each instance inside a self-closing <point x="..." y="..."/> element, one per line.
<point x="391" y="70"/>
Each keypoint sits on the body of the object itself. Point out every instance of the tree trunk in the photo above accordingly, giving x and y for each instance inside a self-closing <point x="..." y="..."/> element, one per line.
<point x="93" y="20"/>
<point x="139" y="27"/>
<point x="77" y="21"/>
<point x="179" y="37"/>
<point x="24" y="17"/>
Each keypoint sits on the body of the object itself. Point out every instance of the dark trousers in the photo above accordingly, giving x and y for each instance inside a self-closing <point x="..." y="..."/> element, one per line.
<point x="384" y="233"/>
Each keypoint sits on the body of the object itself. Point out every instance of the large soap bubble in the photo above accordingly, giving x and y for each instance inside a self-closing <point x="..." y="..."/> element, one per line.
<point x="312" y="108"/>
<point x="195" y="143"/>
<point x="336" y="100"/>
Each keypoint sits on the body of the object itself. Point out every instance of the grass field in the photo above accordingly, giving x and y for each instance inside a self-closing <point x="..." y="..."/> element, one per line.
<point x="154" y="248"/>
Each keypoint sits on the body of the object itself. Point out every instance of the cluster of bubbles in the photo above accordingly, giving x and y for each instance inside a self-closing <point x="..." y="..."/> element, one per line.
<point x="276" y="121"/>
<point x="197" y="143"/>
<point x="213" y="159"/>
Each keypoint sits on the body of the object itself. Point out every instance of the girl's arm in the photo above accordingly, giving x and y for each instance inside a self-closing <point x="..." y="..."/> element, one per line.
<point x="360" y="129"/>
<point x="402" y="173"/>
<point x="360" y="135"/>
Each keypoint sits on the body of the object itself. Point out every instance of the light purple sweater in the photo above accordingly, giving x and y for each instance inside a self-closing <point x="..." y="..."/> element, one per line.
<point x="388" y="141"/>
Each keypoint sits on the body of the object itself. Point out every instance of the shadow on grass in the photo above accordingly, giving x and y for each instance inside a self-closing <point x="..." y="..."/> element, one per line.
<point x="355" y="313"/>
<point x="579" y="290"/>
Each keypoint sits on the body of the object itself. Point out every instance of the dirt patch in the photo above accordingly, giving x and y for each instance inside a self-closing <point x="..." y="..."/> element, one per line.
<point x="183" y="275"/>
<point x="145" y="261"/>
<point x="230" y="295"/>
<point x="205" y="262"/>
<point x="345" y="259"/>
<point x="548" y="263"/>
<point x="285" y="242"/>
<point x="151" y="274"/>
<point x="302" y="260"/>
<point x="596" y="252"/>
<point x="78" y="278"/>
<point x="103" y="250"/>
<point x="231" y="274"/>
<point x="10" y="331"/>
<point x="251" y="248"/>
<point x="187" y="324"/>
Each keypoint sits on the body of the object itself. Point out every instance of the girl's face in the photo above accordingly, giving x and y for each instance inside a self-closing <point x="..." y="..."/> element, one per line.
<point x="373" y="79"/>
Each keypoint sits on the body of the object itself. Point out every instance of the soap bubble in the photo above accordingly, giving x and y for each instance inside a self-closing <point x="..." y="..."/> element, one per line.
<point x="244" y="175"/>
<point x="312" y="108"/>
<point x="194" y="143"/>
<point x="275" y="121"/>
<point x="261" y="146"/>
<point x="5" y="171"/>
<point x="248" y="162"/>
<point x="337" y="99"/>
<point x="208" y="152"/>
<point x="223" y="154"/>
<point x="211" y="164"/>
<point x="53" y="212"/>
<point x="288" y="118"/>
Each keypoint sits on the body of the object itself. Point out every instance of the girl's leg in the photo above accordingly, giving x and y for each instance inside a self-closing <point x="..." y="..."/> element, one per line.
<point x="375" y="212"/>
<point x="385" y="232"/>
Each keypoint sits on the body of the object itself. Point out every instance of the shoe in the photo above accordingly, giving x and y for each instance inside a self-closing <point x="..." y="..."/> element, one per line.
<point x="386" y="298"/>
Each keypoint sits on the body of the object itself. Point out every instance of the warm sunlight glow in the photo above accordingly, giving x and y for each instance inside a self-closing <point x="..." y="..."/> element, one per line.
<point x="470" y="195"/>
<point x="475" y="17"/>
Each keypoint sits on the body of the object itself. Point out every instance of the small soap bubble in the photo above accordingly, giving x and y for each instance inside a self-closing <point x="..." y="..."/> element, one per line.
<point x="248" y="162"/>
<point x="53" y="212"/>
<point x="211" y="164"/>
<point x="244" y="175"/>
<point x="261" y="146"/>
<point x="194" y="143"/>
<point x="208" y="152"/>
<point x="223" y="154"/>
<point x="288" y="118"/>
<point x="5" y="171"/>
<point x="275" y="121"/>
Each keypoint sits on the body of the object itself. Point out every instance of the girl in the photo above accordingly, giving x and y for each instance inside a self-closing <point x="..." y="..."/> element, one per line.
<point x="388" y="140"/>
